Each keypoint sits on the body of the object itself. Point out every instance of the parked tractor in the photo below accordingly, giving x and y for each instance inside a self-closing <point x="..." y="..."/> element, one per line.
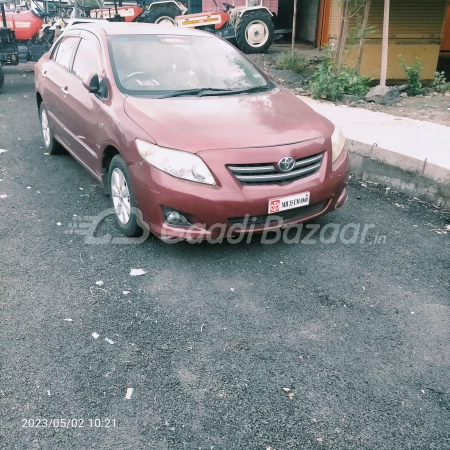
<point x="250" y="25"/>
<point x="148" y="11"/>
<point x="24" y="35"/>
<point x="20" y="40"/>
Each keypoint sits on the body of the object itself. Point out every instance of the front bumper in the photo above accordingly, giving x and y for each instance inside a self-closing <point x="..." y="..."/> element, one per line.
<point x="210" y="208"/>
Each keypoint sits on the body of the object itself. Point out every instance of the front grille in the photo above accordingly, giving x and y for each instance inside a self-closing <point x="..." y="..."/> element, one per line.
<point x="267" y="173"/>
<point x="289" y="215"/>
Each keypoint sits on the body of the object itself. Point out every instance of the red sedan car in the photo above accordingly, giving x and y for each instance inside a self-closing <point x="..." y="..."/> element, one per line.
<point x="186" y="132"/>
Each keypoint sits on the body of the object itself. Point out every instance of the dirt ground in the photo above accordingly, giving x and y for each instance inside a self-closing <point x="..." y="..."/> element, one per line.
<point x="433" y="108"/>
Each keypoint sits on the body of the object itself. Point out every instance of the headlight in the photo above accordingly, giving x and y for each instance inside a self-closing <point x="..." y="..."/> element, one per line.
<point x="175" y="162"/>
<point x="337" y="143"/>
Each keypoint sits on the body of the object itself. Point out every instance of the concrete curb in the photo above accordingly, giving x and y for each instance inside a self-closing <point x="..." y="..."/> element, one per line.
<point x="425" y="181"/>
<point x="407" y="155"/>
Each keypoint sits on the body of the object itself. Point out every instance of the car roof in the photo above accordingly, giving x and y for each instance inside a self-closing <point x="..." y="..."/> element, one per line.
<point x="127" y="28"/>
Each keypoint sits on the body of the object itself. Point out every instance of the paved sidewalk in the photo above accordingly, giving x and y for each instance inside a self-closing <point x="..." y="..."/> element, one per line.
<point x="421" y="149"/>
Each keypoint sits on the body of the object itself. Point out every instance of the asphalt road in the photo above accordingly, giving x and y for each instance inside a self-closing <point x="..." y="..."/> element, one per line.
<point x="211" y="335"/>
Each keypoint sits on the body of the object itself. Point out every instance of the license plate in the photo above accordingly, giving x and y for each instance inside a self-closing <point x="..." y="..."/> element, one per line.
<point x="292" y="201"/>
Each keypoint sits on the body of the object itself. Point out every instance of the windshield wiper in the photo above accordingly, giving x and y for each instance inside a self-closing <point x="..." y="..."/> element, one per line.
<point x="251" y="89"/>
<point x="197" y="91"/>
<point x="233" y="91"/>
<point x="203" y="92"/>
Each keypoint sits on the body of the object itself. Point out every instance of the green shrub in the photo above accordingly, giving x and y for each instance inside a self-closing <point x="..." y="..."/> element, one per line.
<point x="291" y="61"/>
<point x="439" y="80"/>
<point x="413" y="75"/>
<point x="327" y="83"/>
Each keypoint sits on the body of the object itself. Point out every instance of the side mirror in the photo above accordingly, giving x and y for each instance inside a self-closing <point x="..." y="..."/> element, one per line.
<point x="92" y="83"/>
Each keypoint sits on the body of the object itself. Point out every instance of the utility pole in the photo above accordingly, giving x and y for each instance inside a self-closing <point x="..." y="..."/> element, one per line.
<point x="294" y="22"/>
<point x="385" y="44"/>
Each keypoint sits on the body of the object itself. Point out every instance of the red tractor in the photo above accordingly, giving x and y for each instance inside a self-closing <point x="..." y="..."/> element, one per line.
<point x="148" y="11"/>
<point x="24" y="35"/>
<point x="251" y="23"/>
<point x="20" y="40"/>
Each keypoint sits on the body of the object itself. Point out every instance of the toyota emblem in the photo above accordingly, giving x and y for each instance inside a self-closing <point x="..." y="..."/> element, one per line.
<point x="286" y="164"/>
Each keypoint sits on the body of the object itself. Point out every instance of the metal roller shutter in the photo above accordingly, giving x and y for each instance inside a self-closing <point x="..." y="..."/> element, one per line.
<point x="409" y="19"/>
<point x="308" y="15"/>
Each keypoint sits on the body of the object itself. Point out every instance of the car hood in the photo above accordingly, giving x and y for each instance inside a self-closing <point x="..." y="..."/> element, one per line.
<point x="238" y="121"/>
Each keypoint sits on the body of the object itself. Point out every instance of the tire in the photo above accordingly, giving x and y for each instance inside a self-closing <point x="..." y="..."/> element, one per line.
<point x="2" y="77"/>
<point x="51" y="144"/>
<point x="122" y="197"/>
<point x="253" y="23"/>
<point x="160" y="14"/>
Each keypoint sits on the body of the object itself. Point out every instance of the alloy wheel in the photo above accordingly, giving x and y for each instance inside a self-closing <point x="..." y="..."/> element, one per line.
<point x="45" y="128"/>
<point x="120" y="196"/>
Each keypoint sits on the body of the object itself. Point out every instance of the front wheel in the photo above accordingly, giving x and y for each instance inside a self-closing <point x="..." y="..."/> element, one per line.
<point x="161" y="15"/>
<point x="122" y="197"/>
<point x="255" y="32"/>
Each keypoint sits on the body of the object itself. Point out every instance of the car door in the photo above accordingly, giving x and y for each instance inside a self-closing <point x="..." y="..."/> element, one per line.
<point x="55" y="75"/>
<point x="80" y="107"/>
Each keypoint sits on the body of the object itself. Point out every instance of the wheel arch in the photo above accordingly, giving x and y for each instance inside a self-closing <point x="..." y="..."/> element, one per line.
<point x="255" y="8"/>
<point x="108" y="154"/>
<point x="39" y="99"/>
<point x="170" y="3"/>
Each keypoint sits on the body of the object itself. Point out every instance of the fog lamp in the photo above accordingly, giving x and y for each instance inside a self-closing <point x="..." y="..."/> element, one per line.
<point x="175" y="218"/>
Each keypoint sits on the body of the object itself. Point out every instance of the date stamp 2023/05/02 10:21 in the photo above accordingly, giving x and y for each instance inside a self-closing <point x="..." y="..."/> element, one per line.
<point x="65" y="422"/>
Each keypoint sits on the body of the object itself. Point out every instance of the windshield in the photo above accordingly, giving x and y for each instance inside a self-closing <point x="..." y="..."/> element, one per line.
<point x="158" y="65"/>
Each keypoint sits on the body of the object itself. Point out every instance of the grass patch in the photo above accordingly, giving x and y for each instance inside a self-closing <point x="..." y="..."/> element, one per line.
<point x="327" y="83"/>
<point x="294" y="61"/>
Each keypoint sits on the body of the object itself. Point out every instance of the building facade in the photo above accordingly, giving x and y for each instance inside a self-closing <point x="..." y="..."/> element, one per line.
<point x="417" y="28"/>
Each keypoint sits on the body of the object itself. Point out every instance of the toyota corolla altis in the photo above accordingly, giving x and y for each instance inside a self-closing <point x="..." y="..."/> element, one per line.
<point x="187" y="135"/>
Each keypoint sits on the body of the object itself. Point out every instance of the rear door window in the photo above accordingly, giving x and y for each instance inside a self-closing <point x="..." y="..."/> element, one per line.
<point x="55" y="51"/>
<point x="87" y="60"/>
<point x="65" y="51"/>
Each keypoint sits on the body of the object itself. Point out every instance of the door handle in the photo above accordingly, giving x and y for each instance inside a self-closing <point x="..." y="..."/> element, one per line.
<point x="44" y="73"/>
<point x="65" y="90"/>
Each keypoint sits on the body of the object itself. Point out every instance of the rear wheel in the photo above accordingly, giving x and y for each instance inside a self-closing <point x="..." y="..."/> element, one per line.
<point x="255" y="32"/>
<point x="51" y="144"/>
<point x="2" y="77"/>
<point x="161" y="15"/>
<point x="122" y="197"/>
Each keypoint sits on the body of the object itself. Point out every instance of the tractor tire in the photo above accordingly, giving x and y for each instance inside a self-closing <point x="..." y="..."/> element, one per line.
<point x="161" y="15"/>
<point x="2" y="77"/>
<point x="255" y="32"/>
